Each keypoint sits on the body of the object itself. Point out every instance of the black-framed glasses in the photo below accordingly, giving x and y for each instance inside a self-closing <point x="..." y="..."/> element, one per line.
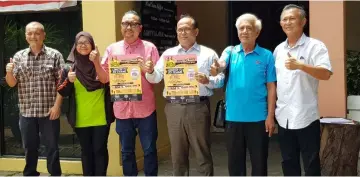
<point x="86" y="43"/>
<point x="132" y="25"/>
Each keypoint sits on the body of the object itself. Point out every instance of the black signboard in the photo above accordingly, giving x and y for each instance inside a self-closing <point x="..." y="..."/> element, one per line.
<point x="159" y="23"/>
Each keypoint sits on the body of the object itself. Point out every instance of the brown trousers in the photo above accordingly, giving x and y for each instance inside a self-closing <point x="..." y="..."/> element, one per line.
<point x="189" y="125"/>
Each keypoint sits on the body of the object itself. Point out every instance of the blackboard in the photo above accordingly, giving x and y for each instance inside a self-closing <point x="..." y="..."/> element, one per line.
<point x="159" y="23"/>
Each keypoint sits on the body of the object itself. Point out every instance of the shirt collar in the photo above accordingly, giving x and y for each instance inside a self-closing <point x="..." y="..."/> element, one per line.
<point x="43" y="50"/>
<point x="196" y="46"/>
<point x="300" y="41"/>
<point x="134" y="44"/>
<point x="256" y="50"/>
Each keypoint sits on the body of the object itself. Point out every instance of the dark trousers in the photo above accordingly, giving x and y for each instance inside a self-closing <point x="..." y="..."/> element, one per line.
<point x="147" y="128"/>
<point x="30" y="128"/>
<point x="189" y="126"/>
<point x="305" y="141"/>
<point x="251" y="136"/>
<point x="94" y="151"/>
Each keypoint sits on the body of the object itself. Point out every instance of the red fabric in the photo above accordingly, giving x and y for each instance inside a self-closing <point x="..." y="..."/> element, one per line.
<point x="12" y="3"/>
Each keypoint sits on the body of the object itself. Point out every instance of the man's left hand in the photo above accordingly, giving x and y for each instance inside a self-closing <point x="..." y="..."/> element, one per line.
<point x="201" y="78"/>
<point x="270" y="125"/>
<point x="54" y="112"/>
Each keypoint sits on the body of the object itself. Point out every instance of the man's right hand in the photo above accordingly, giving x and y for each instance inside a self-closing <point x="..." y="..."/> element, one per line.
<point x="10" y="66"/>
<point x="215" y="68"/>
<point x="147" y="65"/>
<point x="71" y="76"/>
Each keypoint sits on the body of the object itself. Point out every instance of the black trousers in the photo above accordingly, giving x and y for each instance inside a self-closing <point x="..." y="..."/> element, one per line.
<point x="247" y="135"/>
<point x="94" y="151"/>
<point x="30" y="127"/>
<point x="305" y="141"/>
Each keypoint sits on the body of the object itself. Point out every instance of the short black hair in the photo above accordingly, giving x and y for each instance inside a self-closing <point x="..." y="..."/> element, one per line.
<point x="133" y="12"/>
<point x="195" y="23"/>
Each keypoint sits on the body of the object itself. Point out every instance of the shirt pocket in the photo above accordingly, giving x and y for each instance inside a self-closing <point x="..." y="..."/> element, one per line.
<point x="46" y="72"/>
<point x="25" y="73"/>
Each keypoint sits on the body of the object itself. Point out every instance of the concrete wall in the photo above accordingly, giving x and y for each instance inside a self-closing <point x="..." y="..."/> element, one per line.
<point x="106" y="29"/>
<point x="329" y="26"/>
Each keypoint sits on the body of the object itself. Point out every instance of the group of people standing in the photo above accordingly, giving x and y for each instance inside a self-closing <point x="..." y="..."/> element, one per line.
<point x="262" y="87"/>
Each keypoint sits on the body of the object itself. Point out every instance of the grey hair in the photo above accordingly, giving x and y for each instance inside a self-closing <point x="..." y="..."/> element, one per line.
<point x="250" y="18"/>
<point x="293" y="6"/>
<point x="37" y="24"/>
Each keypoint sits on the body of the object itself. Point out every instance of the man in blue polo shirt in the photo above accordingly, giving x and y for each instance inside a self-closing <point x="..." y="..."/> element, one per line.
<point x="250" y="98"/>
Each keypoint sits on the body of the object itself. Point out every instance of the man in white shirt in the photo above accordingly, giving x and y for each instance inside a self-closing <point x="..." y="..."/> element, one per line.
<point x="189" y="124"/>
<point x="300" y="63"/>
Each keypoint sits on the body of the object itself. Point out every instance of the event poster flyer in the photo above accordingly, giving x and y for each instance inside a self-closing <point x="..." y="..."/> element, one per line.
<point x="125" y="78"/>
<point x="179" y="76"/>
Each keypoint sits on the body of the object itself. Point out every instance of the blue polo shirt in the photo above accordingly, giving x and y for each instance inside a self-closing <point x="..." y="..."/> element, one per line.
<point x="246" y="90"/>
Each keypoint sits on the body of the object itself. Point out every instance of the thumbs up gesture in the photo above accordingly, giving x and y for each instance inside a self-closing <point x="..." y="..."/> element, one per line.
<point x="71" y="75"/>
<point x="214" y="69"/>
<point x="292" y="63"/>
<point x="95" y="54"/>
<point x="10" y="66"/>
<point x="147" y="65"/>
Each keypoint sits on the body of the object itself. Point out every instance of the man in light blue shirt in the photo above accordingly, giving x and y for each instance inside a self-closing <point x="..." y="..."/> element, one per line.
<point x="250" y="98"/>
<point x="189" y="124"/>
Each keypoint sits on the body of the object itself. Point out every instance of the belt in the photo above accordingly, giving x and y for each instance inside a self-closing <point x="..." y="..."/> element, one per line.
<point x="201" y="98"/>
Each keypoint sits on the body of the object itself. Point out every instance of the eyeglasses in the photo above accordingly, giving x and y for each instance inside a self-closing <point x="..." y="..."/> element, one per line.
<point x="184" y="30"/>
<point x="132" y="25"/>
<point x="86" y="43"/>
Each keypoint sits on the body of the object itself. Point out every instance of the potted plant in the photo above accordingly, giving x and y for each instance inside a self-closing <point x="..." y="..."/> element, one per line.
<point x="353" y="84"/>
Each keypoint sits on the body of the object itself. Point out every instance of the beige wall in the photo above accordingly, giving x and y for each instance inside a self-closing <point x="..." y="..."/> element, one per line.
<point x="213" y="29"/>
<point x="352" y="15"/>
<point x="102" y="20"/>
<point x="212" y="21"/>
<point x="328" y="26"/>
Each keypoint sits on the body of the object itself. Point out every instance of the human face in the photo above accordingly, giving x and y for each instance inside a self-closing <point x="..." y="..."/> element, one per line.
<point x="130" y="27"/>
<point x="186" y="33"/>
<point x="83" y="46"/>
<point x="292" y="23"/>
<point x="247" y="32"/>
<point x="34" y="35"/>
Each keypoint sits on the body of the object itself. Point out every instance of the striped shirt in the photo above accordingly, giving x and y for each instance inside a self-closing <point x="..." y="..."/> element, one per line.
<point x="36" y="80"/>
